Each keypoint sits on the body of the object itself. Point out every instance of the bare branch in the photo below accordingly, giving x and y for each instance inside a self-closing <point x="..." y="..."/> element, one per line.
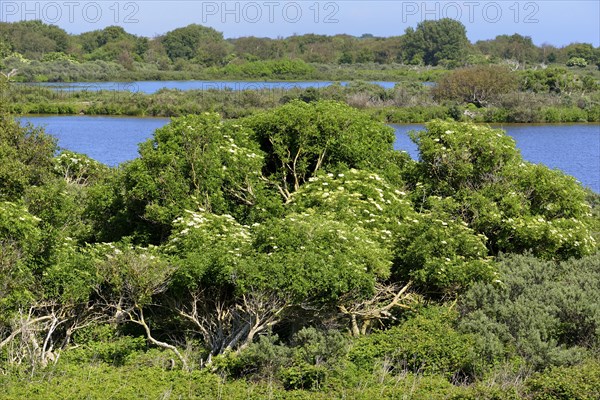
<point x="377" y="308"/>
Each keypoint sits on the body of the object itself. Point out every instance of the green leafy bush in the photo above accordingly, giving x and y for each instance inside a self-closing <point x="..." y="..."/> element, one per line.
<point x="577" y="62"/>
<point x="581" y="382"/>
<point x="194" y="162"/>
<point x="426" y="343"/>
<point x="483" y="181"/>
<point x="300" y="139"/>
<point x="313" y="259"/>
<point x="440" y="254"/>
<point x="542" y="311"/>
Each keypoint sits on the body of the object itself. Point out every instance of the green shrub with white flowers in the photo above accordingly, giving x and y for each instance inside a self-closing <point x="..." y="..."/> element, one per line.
<point x="295" y="253"/>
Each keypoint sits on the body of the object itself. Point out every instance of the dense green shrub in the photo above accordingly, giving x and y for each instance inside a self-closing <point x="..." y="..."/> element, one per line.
<point x="542" y="311"/>
<point x="577" y="62"/>
<point x="113" y="350"/>
<point x="479" y="85"/>
<point x="440" y="254"/>
<point x="426" y="343"/>
<point x="27" y="158"/>
<point x="195" y="162"/>
<point x="483" y="180"/>
<point x="581" y="382"/>
<point x="301" y="139"/>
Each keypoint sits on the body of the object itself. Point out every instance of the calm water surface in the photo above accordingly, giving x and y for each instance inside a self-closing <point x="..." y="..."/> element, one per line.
<point x="154" y="86"/>
<point x="574" y="149"/>
<point x="111" y="140"/>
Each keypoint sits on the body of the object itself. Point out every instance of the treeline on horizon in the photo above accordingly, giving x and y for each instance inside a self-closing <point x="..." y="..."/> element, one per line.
<point x="195" y="48"/>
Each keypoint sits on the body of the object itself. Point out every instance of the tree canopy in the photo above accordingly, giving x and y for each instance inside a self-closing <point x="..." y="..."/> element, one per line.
<point x="436" y="41"/>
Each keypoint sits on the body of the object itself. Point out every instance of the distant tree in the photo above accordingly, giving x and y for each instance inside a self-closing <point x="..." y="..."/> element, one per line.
<point x="253" y="48"/>
<point x="34" y="38"/>
<point x="480" y="85"/>
<point x="510" y="47"/>
<point x="195" y="41"/>
<point x="435" y="41"/>
<point x="156" y="54"/>
<point x="581" y="50"/>
<point x="388" y="50"/>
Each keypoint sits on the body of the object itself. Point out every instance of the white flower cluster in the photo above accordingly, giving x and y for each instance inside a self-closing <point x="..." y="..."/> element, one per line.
<point x="208" y="226"/>
<point x="562" y="232"/>
<point x="362" y="196"/>
<point x="239" y="152"/>
<point x="110" y="251"/>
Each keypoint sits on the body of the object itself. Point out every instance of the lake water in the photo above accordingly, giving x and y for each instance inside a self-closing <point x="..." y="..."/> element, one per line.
<point x="111" y="140"/>
<point x="574" y="149"/>
<point x="154" y="86"/>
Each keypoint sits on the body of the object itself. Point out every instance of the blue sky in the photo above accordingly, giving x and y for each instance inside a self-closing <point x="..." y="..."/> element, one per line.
<point x="546" y="21"/>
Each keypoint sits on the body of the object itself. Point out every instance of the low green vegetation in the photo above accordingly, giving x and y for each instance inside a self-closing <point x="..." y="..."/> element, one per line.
<point x="294" y="254"/>
<point x="474" y="94"/>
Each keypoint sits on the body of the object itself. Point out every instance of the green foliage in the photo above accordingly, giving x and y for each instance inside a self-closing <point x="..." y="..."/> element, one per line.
<point x="480" y="85"/>
<point x="58" y="56"/>
<point x="195" y="42"/>
<point x="436" y="42"/>
<point x="69" y="278"/>
<point x="129" y="276"/>
<point x="105" y="210"/>
<point x="61" y="207"/>
<point x="460" y="156"/>
<point x="550" y="80"/>
<point x="510" y="47"/>
<point x="300" y="139"/>
<point x="305" y="377"/>
<point x="102" y="343"/>
<point x="355" y="197"/>
<point x="582" y="50"/>
<point x="581" y="382"/>
<point x="210" y="248"/>
<point x="577" y="62"/>
<point x="19" y="245"/>
<point x="34" y="38"/>
<point x="280" y="69"/>
<point x="320" y="348"/>
<point x="305" y="362"/>
<point x="26" y="154"/>
<point x="78" y="168"/>
<point x="126" y="382"/>
<point x="538" y="310"/>
<point x="262" y="359"/>
<point x="311" y="258"/>
<point x="517" y="205"/>
<point x="18" y="226"/>
<point x="442" y="255"/>
<point x="195" y="162"/>
<point x="426" y="343"/>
